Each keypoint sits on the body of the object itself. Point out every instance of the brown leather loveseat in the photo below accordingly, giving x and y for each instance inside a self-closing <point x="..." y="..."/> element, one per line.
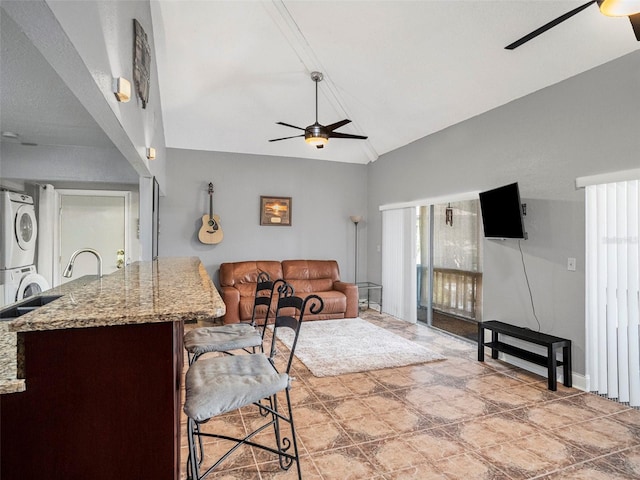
<point x="320" y="277"/>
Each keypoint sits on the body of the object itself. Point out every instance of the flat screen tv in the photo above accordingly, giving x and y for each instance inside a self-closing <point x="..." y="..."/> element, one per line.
<point x="502" y="212"/>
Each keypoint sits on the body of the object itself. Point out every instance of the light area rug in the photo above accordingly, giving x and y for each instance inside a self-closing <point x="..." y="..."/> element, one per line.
<point x="336" y="347"/>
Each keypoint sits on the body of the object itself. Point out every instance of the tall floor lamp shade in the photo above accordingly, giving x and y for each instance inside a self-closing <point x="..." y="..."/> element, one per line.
<point x="356" y="219"/>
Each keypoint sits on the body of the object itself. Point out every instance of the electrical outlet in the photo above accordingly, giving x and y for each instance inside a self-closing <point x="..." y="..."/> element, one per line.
<point x="571" y="264"/>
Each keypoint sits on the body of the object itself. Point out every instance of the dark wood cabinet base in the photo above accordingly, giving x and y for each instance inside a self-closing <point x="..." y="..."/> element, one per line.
<point x="101" y="403"/>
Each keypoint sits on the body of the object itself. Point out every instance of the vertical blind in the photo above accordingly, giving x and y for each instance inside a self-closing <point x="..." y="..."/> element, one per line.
<point x="399" y="263"/>
<point x="612" y="300"/>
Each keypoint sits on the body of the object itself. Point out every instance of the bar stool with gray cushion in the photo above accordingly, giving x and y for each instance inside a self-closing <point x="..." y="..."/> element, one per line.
<point x="226" y="338"/>
<point x="218" y="385"/>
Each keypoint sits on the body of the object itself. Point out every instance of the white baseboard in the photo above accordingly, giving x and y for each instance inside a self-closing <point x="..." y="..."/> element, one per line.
<point x="577" y="380"/>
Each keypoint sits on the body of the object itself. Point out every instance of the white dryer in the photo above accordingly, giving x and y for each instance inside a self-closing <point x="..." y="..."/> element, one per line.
<point x="19" y="230"/>
<point x="21" y="283"/>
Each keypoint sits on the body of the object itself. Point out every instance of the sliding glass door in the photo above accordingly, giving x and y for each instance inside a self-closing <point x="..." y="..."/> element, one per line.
<point x="449" y="266"/>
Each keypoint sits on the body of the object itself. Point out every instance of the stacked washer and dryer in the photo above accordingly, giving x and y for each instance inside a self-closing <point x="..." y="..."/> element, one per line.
<point x="18" y="276"/>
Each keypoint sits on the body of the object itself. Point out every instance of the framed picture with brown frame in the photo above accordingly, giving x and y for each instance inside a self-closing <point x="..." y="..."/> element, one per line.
<point x="275" y="211"/>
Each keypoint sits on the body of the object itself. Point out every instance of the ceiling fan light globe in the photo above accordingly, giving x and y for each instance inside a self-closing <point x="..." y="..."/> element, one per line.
<point x="619" y="8"/>
<point x="316" y="141"/>
<point x="315" y="135"/>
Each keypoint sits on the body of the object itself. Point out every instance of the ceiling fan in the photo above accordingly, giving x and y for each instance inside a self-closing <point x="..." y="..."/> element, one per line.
<point x="316" y="134"/>
<point x="611" y="8"/>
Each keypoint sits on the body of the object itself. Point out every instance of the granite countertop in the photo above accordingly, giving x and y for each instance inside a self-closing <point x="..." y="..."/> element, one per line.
<point x="165" y="290"/>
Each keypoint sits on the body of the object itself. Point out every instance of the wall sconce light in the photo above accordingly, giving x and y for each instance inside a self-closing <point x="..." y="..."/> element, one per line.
<point x="151" y="153"/>
<point x="122" y="89"/>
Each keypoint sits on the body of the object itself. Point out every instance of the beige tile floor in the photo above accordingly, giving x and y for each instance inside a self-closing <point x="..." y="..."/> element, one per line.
<point x="453" y="419"/>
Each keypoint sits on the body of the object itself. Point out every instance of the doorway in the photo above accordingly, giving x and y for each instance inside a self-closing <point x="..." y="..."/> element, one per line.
<point x="449" y="267"/>
<point x="92" y="219"/>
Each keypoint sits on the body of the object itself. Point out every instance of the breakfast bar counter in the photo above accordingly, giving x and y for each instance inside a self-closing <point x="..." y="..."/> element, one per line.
<point x="90" y="382"/>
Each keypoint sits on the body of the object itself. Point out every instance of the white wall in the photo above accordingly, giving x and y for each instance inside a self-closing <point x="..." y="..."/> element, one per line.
<point x="585" y="125"/>
<point x="324" y="195"/>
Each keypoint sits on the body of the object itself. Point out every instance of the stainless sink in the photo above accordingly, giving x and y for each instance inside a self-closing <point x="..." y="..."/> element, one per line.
<point x="26" y="306"/>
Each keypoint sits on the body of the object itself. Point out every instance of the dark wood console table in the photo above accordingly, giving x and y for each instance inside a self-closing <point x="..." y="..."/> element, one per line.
<point x="553" y="345"/>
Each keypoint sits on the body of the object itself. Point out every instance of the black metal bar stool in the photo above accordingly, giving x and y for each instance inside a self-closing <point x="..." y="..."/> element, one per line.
<point x="218" y="385"/>
<point x="226" y="338"/>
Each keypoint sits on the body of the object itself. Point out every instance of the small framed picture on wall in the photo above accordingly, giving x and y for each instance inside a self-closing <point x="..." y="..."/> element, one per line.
<point x="275" y="211"/>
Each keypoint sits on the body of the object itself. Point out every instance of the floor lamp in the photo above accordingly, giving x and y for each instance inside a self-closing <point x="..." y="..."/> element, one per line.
<point x="356" y="219"/>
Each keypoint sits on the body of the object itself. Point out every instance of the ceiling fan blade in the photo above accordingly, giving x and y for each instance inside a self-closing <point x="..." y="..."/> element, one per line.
<point x="285" y="138"/>
<point x="289" y="125"/>
<point x="346" y="135"/>
<point x="337" y="125"/>
<point x="635" y="23"/>
<point x="548" y="26"/>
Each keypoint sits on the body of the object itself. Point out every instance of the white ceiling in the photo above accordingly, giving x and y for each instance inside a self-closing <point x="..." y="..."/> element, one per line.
<point x="400" y="70"/>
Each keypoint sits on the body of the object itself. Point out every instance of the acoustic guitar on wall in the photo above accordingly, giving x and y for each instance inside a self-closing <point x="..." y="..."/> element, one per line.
<point x="211" y="231"/>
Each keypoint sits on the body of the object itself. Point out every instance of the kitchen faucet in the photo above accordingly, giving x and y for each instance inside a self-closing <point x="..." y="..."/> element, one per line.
<point x="68" y="271"/>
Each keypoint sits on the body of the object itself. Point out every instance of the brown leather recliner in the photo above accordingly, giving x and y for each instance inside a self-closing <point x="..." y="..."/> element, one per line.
<point x="320" y="277"/>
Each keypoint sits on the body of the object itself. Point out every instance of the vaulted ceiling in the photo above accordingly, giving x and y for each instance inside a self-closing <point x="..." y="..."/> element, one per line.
<point x="400" y="70"/>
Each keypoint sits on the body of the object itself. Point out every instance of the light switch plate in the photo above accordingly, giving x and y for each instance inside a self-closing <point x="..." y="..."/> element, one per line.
<point x="571" y="264"/>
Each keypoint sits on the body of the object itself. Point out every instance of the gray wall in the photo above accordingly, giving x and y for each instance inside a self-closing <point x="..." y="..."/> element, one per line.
<point x="324" y="195"/>
<point x="583" y="126"/>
